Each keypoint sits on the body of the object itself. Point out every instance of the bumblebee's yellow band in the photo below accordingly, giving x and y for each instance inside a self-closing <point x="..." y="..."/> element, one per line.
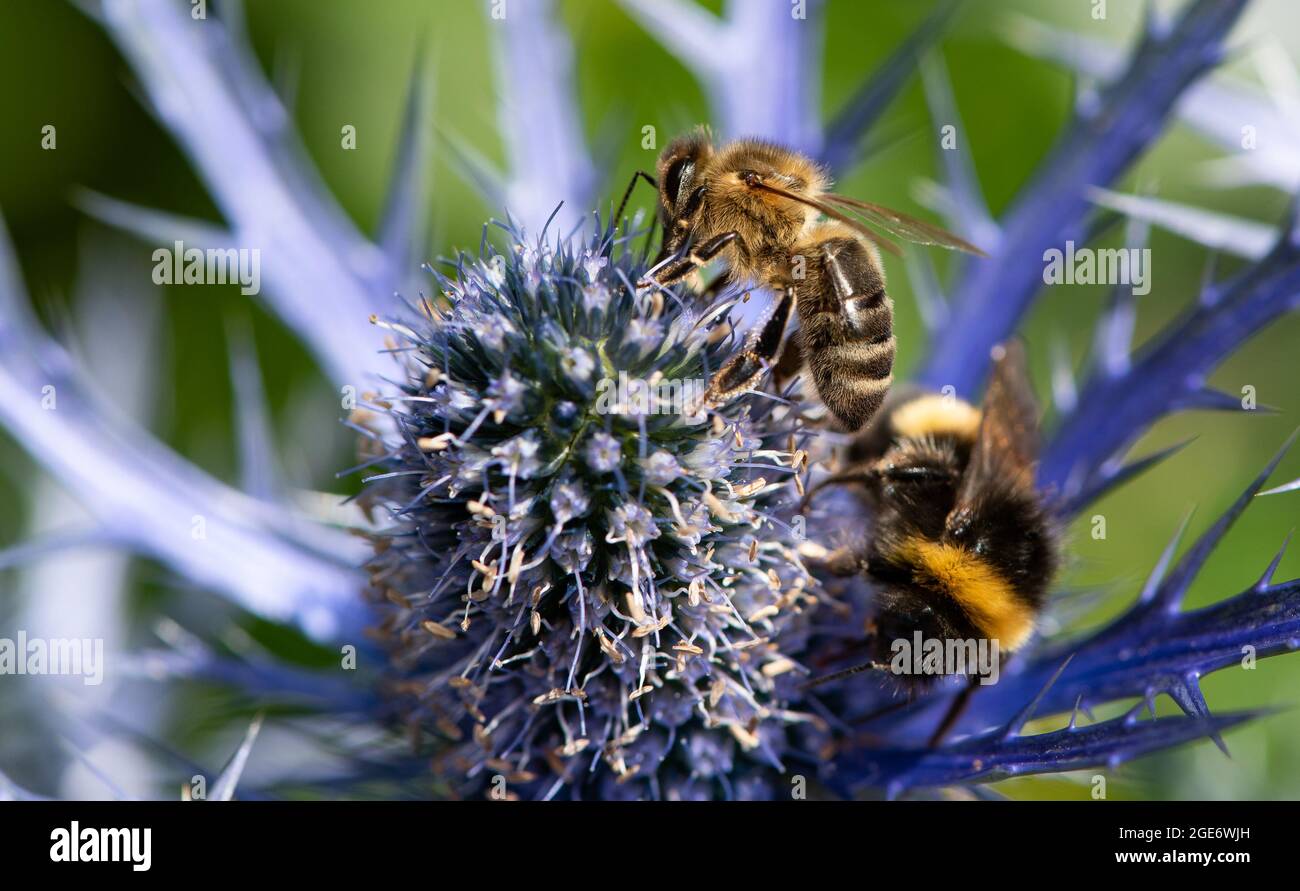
<point x="935" y="415"/>
<point x="986" y="597"/>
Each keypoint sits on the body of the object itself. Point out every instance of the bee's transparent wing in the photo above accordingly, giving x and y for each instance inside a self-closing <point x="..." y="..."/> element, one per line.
<point x="874" y="237"/>
<point x="904" y="226"/>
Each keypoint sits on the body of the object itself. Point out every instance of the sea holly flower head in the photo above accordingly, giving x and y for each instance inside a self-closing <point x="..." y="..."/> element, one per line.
<point x="583" y="594"/>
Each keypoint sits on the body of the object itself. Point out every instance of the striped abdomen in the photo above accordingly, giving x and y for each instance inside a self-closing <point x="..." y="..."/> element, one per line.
<point x="846" y="322"/>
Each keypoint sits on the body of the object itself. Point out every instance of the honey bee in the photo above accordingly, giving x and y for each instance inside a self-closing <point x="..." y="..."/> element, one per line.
<point x="963" y="545"/>
<point x="768" y="213"/>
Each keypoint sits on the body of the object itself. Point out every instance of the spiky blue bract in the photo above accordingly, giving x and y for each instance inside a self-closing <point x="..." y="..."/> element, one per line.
<point x="998" y="755"/>
<point x="1122" y="398"/>
<point x="587" y="591"/>
<point x="1096" y="147"/>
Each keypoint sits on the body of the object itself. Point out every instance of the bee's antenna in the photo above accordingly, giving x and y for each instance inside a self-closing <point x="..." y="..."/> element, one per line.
<point x="835" y="676"/>
<point x="853" y="474"/>
<point x="622" y="205"/>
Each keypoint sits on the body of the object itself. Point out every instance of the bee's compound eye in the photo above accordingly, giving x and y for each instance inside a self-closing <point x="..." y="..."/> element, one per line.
<point x="692" y="204"/>
<point x="679" y="171"/>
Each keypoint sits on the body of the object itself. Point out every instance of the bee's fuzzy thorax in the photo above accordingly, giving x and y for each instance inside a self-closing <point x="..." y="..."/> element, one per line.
<point x="761" y="218"/>
<point x="777" y="163"/>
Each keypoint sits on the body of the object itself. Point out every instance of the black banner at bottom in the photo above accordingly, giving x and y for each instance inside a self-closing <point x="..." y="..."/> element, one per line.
<point x="335" y="840"/>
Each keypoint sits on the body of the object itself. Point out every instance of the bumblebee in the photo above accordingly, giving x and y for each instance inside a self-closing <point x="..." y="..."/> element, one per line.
<point x="963" y="546"/>
<point x="768" y="212"/>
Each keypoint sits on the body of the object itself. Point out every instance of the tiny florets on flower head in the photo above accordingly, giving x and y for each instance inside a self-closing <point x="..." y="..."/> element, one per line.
<point x="585" y="585"/>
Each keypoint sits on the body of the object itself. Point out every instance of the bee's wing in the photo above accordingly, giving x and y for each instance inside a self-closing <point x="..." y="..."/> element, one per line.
<point x="874" y="237"/>
<point x="899" y="224"/>
<point x="1006" y="447"/>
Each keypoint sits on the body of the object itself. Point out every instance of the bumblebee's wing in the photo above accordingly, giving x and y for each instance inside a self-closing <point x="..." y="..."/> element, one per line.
<point x="899" y="224"/>
<point x="874" y="237"/>
<point x="1006" y="447"/>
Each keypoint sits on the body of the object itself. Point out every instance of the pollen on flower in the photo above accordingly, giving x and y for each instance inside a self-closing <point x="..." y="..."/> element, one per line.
<point x="581" y="600"/>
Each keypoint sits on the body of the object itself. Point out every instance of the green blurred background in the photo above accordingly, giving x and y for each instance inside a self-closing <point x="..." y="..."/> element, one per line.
<point x="350" y="63"/>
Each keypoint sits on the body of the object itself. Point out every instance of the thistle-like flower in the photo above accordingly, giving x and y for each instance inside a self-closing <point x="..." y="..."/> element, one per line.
<point x="587" y="579"/>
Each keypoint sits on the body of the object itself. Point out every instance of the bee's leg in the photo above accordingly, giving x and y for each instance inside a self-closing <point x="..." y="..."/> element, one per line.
<point x="854" y="474"/>
<point x="843" y="561"/>
<point x="844" y="673"/>
<point x="847" y="325"/>
<point x="761" y="347"/>
<point x="861" y="737"/>
<point x="622" y="205"/>
<point x="950" y="717"/>
<point x="670" y="268"/>
<point x="957" y="709"/>
<point x="717" y="286"/>
<point x="790" y="362"/>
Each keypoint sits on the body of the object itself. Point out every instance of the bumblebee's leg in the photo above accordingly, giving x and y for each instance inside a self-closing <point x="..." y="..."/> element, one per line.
<point x="744" y="368"/>
<point x="853" y="474"/>
<point x="844" y="561"/>
<point x="622" y="205"/>
<point x="847" y="330"/>
<point x="672" y="268"/>
<point x="847" y="672"/>
<point x="957" y="709"/>
<point x="950" y="717"/>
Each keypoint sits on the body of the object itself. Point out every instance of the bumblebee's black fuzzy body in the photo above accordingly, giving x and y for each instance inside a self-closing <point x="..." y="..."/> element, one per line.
<point x="962" y="546"/>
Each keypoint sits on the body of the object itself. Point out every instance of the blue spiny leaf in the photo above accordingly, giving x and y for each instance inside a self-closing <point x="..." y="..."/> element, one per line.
<point x="844" y="133"/>
<point x="992" y="756"/>
<point x="996" y="292"/>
